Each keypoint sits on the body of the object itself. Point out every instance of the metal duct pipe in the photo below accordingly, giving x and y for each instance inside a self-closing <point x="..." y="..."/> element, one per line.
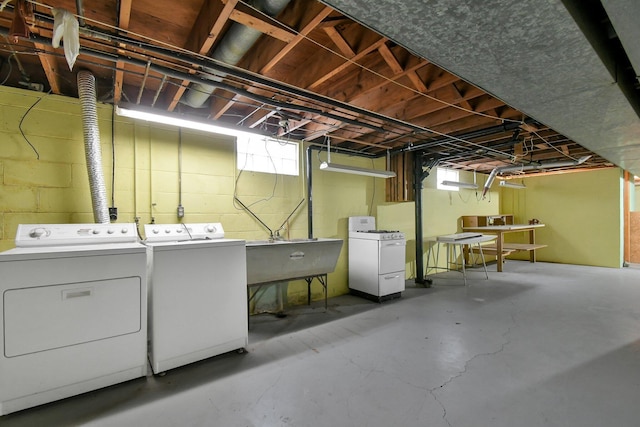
<point x="237" y="73"/>
<point x="548" y="165"/>
<point x="487" y="184"/>
<point x="522" y="168"/>
<point x="93" y="153"/>
<point x="233" y="46"/>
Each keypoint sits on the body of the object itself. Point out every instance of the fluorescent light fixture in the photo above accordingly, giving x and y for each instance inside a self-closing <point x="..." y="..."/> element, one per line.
<point x="167" y="119"/>
<point x="512" y="184"/>
<point x="333" y="167"/>
<point x="460" y="184"/>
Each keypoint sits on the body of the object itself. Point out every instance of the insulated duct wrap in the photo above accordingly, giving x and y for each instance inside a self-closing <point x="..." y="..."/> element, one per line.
<point x="92" y="150"/>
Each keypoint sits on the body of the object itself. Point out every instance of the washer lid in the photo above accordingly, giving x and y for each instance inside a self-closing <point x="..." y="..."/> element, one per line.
<point x="193" y="244"/>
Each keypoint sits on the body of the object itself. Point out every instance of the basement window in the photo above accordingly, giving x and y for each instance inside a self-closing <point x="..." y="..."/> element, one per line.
<point x="444" y="174"/>
<point x="269" y="155"/>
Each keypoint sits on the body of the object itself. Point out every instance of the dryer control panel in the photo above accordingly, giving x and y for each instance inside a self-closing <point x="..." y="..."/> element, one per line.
<point x="29" y="235"/>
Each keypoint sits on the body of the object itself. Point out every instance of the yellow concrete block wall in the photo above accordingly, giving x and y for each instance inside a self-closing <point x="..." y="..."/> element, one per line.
<point x="336" y="197"/>
<point x="37" y="168"/>
<point x="441" y="212"/>
<point x="55" y="189"/>
<point x="581" y="212"/>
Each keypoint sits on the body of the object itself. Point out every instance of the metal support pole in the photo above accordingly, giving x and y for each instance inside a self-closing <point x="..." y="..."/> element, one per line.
<point x="417" y="186"/>
<point x="419" y="175"/>
<point x="309" y="194"/>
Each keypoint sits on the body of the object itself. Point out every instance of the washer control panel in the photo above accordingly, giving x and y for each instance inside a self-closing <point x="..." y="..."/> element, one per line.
<point x="74" y="234"/>
<point x="181" y="232"/>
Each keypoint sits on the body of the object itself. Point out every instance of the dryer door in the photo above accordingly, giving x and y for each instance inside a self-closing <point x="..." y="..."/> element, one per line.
<point x="59" y="315"/>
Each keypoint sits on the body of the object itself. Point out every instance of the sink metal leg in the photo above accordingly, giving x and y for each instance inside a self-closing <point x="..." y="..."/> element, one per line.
<point x="323" y="279"/>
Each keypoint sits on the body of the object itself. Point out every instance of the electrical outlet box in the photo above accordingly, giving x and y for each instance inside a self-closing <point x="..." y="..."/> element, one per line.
<point x="113" y="213"/>
<point x="180" y="211"/>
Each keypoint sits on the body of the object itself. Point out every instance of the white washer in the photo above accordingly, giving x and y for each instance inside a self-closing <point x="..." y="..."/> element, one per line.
<point x="73" y="316"/>
<point x="197" y="293"/>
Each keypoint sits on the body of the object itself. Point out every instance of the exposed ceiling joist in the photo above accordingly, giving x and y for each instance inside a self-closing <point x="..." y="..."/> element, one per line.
<point x="263" y="26"/>
<point x="49" y="63"/>
<point x="303" y="33"/>
<point x="314" y="71"/>
<point x="208" y="25"/>
<point x="124" y="18"/>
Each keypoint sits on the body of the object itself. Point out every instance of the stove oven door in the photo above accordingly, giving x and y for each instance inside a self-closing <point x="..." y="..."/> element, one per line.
<point x="391" y="255"/>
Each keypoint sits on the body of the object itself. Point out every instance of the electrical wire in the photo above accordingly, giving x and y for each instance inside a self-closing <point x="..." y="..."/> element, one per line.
<point x="113" y="156"/>
<point x="462" y="199"/>
<point x="525" y="149"/>
<point x="8" y="61"/>
<point x="267" y="17"/>
<point x="180" y="167"/>
<point x="22" y="121"/>
<point x="140" y="74"/>
<point x="389" y="80"/>
<point x="276" y="175"/>
<point x="246" y="207"/>
<point x="35" y="51"/>
<point x="242" y="169"/>
<point x="187" y="230"/>
<point x="182" y="50"/>
<point x="552" y="146"/>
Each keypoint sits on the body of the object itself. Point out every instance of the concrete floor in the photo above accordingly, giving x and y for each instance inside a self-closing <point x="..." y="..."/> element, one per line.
<point x="538" y="345"/>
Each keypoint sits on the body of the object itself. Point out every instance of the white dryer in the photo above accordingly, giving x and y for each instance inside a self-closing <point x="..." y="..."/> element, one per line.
<point x="73" y="315"/>
<point x="197" y="293"/>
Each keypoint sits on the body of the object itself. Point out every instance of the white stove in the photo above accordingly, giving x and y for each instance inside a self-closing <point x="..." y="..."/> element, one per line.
<point x="364" y="227"/>
<point x="376" y="260"/>
<point x="73" y="315"/>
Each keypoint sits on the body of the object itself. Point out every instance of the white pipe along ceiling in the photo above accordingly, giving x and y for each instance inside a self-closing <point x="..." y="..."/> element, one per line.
<point x="553" y="60"/>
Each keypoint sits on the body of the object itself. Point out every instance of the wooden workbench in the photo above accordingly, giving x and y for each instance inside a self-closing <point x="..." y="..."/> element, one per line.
<point x="503" y="249"/>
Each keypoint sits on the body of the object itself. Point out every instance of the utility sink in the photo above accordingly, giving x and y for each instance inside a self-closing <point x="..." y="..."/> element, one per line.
<point x="285" y="260"/>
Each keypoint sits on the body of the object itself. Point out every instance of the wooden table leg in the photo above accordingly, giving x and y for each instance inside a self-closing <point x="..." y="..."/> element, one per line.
<point x="532" y="240"/>
<point x="500" y="258"/>
<point x="465" y="253"/>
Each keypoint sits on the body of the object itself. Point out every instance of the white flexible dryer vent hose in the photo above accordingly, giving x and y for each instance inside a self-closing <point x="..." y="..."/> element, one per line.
<point x="92" y="149"/>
